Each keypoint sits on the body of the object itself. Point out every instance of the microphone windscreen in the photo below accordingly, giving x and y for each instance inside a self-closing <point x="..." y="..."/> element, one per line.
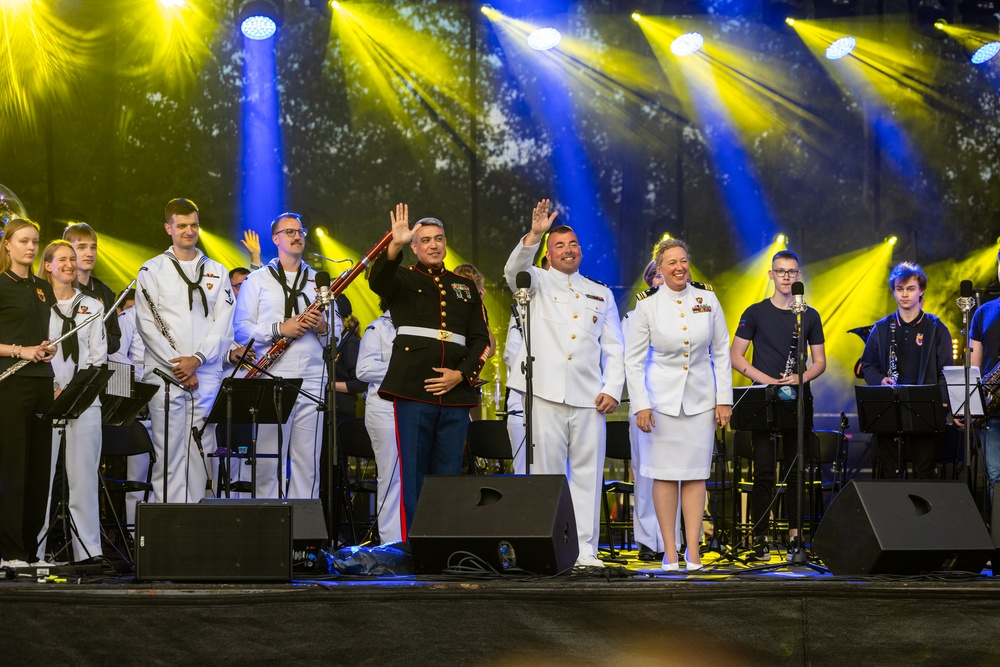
<point x="798" y="289"/>
<point x="522" y="280"/>
<point x="322" y="279"/>
<point x="965" y="287"/>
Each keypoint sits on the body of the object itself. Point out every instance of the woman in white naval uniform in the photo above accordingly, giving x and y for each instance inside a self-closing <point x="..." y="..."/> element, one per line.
<point x="373" y="362"/>
<point x="680" y="384"/>
<point x="87" y="348"/>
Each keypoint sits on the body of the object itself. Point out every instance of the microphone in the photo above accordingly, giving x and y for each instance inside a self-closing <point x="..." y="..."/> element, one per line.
<point x="798" y="290"/>
<point x="329" y="259"/>
<point x="323" y="286"/>
<point x="167" y="377"/>
<point x="523" y="282"/>
<point x="966" y="302"/>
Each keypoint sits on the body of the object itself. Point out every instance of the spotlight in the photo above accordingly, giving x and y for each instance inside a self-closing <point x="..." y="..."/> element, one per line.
<point x="841" y="47"/>
<point x="985" y="53"/>
<point x="686" y="44"/>
<point x="489" y="11"/>
<point x="321" y="232"/>
<point x="777" y="13"/>
<point x="636" y="16"/>
<point x="666" y="237"/>
<point x="781" y="238"/>
<point x="891" y="240"/>
<point x="544" y="39"/>
<point x="259" y="19"/>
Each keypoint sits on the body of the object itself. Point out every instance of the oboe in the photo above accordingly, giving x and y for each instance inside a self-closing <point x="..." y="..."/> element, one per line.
<point x="893" y="360"/>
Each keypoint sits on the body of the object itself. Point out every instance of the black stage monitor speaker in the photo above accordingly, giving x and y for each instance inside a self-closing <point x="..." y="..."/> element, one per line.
<point x="510" y="521"/>
<point x="902" y="527"/>
<point x="179" y="542"/>
<point x="308" y="519"/>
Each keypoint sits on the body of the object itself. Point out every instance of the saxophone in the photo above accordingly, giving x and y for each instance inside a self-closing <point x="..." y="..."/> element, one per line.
<point x="336" y="288"/>
<point x="991" y="396"/>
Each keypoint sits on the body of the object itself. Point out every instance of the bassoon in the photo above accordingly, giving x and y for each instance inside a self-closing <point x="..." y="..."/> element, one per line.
<point x="336" y="288"/>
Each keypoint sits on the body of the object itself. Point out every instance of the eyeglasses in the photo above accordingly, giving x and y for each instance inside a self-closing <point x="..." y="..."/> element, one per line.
<point x="292" y="233"/>
<point x="791" y="273"/>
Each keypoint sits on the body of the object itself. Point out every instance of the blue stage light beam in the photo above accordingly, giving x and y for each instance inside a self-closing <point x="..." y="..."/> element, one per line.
<point x="262" y="185"/>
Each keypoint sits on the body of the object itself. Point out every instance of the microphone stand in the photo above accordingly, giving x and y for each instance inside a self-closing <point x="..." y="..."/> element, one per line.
<point x="799" y="307"/>
<point x="527" y="367"/>
<point x="966" y="304"/>
<point x="330" y="406"/>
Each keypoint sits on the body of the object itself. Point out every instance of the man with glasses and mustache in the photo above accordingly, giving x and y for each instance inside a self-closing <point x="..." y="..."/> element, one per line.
<point x="770" y="326"/>
<point x="184" y="314"/>
<point x="272" y="304"/>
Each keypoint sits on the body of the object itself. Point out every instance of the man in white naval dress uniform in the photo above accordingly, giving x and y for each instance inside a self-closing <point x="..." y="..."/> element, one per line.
<point x="184" y="312"/>
<point x="579" y="369"/>
<point x="273" y="303"/>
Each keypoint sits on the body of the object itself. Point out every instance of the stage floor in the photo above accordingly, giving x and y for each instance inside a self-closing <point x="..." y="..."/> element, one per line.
<point x="627" y="614"/>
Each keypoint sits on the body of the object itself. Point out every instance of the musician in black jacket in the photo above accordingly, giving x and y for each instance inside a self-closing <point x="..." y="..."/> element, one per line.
<point x="907" y="347"/>
<point x="83" y="238"/>
<point x="441" y="343"/>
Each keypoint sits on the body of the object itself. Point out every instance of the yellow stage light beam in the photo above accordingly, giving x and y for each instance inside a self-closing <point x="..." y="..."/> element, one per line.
<point x="390" y="65"/>
<point x="944" y="278"/>
<point x="119" y="261"/>
<point x="40" y="58"/>
<point x="849" y="291"/>
<point x="971" y="40"/>
<point x="760" y="96"/>
<point x="223" y="250"/>
<point x="615" y="82"/>
<point x="171" y="40"/>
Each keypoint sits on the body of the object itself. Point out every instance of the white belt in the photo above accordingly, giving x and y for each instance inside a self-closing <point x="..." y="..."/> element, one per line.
<point x="436" y="334"/>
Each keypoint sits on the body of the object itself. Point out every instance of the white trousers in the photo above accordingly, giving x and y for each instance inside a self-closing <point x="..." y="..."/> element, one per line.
<point x="83" y="461"/>
<point x="301" y="445"/>
<point x="571" y="441"/>
<point x="516" y="431"/>
<point x="136" y="467"/>
<point x="380" y="421"/>
<point x="187" y="472"/>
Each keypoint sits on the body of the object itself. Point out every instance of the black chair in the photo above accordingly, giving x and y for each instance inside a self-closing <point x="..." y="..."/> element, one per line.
<point x="487" y="440"/>
<point x="619" y="448"/>
<point x="826" y="448"/>
<point x="354" y="442"/>
<point x="123" y="442"/>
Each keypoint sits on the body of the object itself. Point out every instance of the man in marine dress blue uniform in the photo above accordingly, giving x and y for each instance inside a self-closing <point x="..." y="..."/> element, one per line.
<point x="440" y="347"/>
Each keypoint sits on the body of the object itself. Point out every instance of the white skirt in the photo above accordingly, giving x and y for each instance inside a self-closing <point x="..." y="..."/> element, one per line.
<point x="679" y="448"/>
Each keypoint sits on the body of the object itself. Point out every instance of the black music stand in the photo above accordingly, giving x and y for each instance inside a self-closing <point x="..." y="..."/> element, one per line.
<point x="122" y="410"/>
<point x="242" y="401"/>
<point x="900" y="409"/>
<point x="761" y="408"/>
<point x="75" y="399"/>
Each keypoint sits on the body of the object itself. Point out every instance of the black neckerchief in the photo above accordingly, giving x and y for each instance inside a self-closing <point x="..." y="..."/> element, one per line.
<point x="291" y="295"/>
<point x="71" y="345"/>
<point x="193" y="286"/>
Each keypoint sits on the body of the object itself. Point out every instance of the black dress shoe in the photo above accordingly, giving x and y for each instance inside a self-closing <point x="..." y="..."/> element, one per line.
<point x="645" y="553"/>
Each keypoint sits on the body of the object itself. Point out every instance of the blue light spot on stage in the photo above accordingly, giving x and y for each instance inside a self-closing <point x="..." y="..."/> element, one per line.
<point x="258" y="27"/>
<point x="262" y="192"/>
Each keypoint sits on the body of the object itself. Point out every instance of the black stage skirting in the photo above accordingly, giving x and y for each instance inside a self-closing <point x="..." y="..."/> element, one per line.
<point x="639" y="619"/>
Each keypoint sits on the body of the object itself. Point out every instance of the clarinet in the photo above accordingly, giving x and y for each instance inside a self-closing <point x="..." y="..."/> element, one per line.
<point x="160" y="324"/>
<point x="893" y="360"/>
<point x="790" y="361"/>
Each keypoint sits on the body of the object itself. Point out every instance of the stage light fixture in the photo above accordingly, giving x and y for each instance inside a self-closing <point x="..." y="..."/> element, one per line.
<point x="544" y="39"/>
<point x="781" y="15"/>
<point x="841" y="47"/>
<point x="666" y="237"/>
<point x="985" y="53"/>
<point x="259" y="19"/>
<point x="892" y="240"/>
<point x="686" y="44"/>
<point x="636" y="16"/>
<point x="781" y="238"/>
<point x="488" y="10"/>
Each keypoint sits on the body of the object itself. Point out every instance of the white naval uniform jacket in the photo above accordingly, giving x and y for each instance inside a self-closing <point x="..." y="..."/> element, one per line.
<point x="260" y="310"/>
<point x="677" y="353"/>
<point x="374" y="354"/>
<point x="92" y="341"/>
<point x="207" y="337"/>
<point x="576" y="338"/>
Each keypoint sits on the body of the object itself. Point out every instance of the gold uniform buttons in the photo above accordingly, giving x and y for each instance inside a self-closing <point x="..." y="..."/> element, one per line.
<point x="572" y="337"/>
<point x="682" y="314"/>
<point x="443" y="314"/>
<point x="685" y="355"/>
<point x="679" y="302"/>
<point x="684" y="328"/>
<point x="575" y="316"/>
<point x="407" y="349"/>
<point x="569" y="358"/>
<point x="686" y="343"/>
<point x="444" y="304"/>
<point x="685" y="368"/>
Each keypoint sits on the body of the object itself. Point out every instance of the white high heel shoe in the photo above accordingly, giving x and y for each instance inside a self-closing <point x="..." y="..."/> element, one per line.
<point x="692" y="567"/>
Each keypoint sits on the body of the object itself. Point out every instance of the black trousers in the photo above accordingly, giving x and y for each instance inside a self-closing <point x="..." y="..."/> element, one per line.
<point x="25" y="463"/>
<point x="921" y="448"/>
<point x="765" y="450"/>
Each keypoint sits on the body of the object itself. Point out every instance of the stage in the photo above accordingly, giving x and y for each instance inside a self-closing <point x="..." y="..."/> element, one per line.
<point x="623" y="614"/>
